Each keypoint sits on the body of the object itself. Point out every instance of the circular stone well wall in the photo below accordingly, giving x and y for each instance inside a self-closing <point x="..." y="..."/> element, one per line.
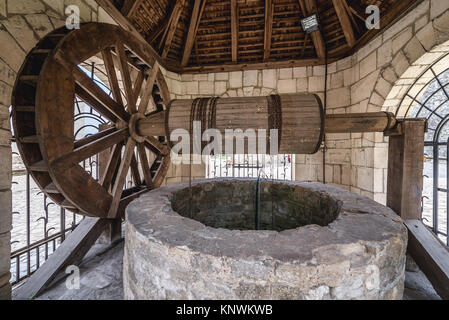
<point x="313" y="242"/>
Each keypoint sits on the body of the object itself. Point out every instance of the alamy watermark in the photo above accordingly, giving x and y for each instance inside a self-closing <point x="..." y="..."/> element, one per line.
<point x="235" y="141"/>
<point x="73" y="17"/>
<point x="373" y="20"/>
<point x="73" y="279"/>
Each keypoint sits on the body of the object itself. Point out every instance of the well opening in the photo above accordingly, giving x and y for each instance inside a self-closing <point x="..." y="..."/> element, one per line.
<point x="253" y="205"/>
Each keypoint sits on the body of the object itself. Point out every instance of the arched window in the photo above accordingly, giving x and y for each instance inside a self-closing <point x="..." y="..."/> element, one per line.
<point x="428" y="97"/>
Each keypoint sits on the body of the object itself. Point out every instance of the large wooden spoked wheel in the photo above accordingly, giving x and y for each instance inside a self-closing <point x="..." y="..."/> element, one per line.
<point x="43" y="118"/>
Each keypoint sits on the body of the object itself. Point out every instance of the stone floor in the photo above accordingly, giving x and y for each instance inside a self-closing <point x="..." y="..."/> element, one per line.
<point x="101" y="279"/>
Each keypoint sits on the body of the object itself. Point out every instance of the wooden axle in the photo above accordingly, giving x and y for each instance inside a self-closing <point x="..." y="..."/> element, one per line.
<point x="360" y="122"/>
<point x="299" y="119"/>
<point x="336" y="123"/>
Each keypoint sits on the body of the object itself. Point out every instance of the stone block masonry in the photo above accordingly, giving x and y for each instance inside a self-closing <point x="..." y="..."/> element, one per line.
<point x="365" y="82"/>
<point x="22" y="24"/>
<point x="359" y="255"/>
<point x="361" y="83"/>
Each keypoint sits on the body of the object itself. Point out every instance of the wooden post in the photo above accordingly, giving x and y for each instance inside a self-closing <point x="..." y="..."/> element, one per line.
<point x="404" y="192"/>
<point x="70" y="252"/>
<point x="405" y="169"/>
<point x="113" y="231"/>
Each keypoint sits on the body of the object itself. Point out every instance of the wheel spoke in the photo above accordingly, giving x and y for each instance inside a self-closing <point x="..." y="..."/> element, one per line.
<point x="91" y="101"/>
<point x="153" y="142"/>
<point x="145" y="165"/>
<point x="126" y="77"/>
<point x="99" y="95"/>
<point x="135" y="171"/>
<point x="112" y="75"/>
<point x="148" y="91"/>
<point x="111" y="167"/>
<point x="138" y="85"/>
<point x="92" y="138"/>
<point x="121" y="178"/>
<point x="162" y="172"/>
<point x="90" y="149"/>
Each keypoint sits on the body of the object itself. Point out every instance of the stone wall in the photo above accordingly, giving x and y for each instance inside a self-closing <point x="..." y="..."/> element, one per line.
<point x="22" y="24"/>
<point x="357" y="84"/>
<point x="360" y="255"/>
<point x="230" y="204"/>
<point x="373" y="79"/>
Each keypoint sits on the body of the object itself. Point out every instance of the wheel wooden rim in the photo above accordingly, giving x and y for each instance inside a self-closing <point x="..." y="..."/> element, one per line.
<point x="43" y="118"/>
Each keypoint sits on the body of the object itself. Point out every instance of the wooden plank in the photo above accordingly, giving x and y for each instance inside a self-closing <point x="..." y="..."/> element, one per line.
<point x="145" y="165"/>
<point x="113" y="231"/>
<point x="70" y="252"/>
<point x="316" y="36"/>
<point x="112" y="75"/>
<point x="195" y="19"/>
<point x="343" y="17"/>
<point x="163" y="25"/>
<point x="95" y="103"/>
<point x="90" y="149"/>
<point x="138" y="85"/>
<point x="130" y="7"/>
<point x="172" y="27"/>
<point x="269" y="11"/>
<point x="235" y="29"/>
<point x="227" y="67"/>
<point x="123" y="22"/>
<point x="135" y="171"/>
<point x="405" y="170"/>
<point x="162" y="172"/>
<point x="99" y="94"/>
<point x="431" y="255"/>
<point x="126" y="77"/>
<point x="82" y="142"/>
<point x="121" y="178"/>
<point x="148" y="90"/>
<point x="111" y="167"/>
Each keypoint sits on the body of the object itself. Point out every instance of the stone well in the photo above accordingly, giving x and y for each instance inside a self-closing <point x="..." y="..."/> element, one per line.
<point x="312" y="242"/>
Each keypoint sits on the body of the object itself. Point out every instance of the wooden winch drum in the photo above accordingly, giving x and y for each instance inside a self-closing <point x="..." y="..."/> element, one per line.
<point x="299" y="119"/>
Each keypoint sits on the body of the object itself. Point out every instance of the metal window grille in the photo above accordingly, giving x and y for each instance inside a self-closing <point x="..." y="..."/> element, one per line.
<point x="428" y="98"/>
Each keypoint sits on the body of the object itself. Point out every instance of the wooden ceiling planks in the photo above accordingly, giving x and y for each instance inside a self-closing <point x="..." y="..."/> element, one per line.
<point x="217" y="35"/>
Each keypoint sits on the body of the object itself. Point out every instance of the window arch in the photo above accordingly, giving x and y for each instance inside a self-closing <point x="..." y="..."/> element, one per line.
<point x="428" y="97"/>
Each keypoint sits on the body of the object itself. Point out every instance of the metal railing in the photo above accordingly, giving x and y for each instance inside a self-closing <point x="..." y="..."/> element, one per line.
<point x="39" y="225"/>
<point x="279" y="167"/>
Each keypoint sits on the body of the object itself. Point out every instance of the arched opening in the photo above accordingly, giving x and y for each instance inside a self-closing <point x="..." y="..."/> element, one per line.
<point x="422" y="91"/>
<point x="428" y="97"/>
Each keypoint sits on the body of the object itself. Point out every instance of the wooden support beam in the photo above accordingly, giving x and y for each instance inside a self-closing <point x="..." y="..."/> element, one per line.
<point x="252" y="66"/>
<point x="195" y="20"/>
<point x="317" y="37"/>
<point x="171" y="27"/>
<point x="430" y="254"/>
<point x="405" y="170"/>
<point x="130" y="7"/>
<point x="360" y="122"/>
<point x="113" y="231"/>
<point x="351" y="16"/>
<point x="404" y="192"/>
<point x="123" y="22"/>
<point x="345" y="22"/>
<point x="70" y="252"/>
<point x="269" y="11"/>
<point x="235" y="29"/>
